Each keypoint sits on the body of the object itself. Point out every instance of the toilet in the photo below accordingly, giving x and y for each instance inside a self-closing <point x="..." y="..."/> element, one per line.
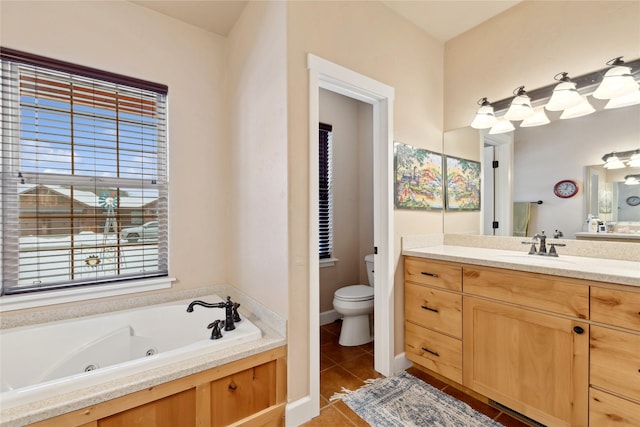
<point x="355" y="304"/>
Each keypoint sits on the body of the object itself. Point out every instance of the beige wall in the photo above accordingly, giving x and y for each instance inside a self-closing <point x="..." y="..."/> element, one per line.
<point x="257" y="182"/>
<point x="352" y="207"/>
<point x="529" y="44"/>
<point x="125" y="38"/>
<point x="368" y="38"/>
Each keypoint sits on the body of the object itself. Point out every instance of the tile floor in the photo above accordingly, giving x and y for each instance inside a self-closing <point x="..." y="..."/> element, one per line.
<point x="349" y="366"/>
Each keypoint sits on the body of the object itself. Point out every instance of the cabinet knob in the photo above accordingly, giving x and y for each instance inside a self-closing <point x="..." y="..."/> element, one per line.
<point x="578" y="330"/>
<point x="233" y="386"/>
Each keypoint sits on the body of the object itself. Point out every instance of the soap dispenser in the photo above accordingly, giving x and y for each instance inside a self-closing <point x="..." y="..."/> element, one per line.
<point x="593" y="225"/>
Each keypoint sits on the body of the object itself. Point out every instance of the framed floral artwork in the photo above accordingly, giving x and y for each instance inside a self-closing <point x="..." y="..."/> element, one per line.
<point x="418" y="178"/>
<point x="462" y="184"/>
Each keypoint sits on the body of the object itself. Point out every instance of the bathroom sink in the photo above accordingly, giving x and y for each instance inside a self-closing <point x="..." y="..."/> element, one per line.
<point x="534" y="259"/>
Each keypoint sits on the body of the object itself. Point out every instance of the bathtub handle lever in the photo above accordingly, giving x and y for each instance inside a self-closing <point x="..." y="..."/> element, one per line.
<point x="216" y="333"/>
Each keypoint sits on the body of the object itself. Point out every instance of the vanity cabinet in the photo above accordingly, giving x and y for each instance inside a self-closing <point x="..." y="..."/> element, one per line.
<point x="534" y="363"/>
<point x="250" y="391"/>
<point x="433" y="311"/>
<point x="615" y="358"/>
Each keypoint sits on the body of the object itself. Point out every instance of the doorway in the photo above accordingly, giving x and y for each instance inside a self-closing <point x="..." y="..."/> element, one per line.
<point x="327" y="75"/>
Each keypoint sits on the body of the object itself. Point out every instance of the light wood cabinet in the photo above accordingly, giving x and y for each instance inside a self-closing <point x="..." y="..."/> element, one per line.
<point x="528" y="289"/>
<point x="606" y="410"/>
<point x="434" y="309"/>
<point x="534" y="363"/>
<point x="433" y="273"/>
<point x="615" y="357"/>
<point x="615" y="361"/>
<point x="616" y="307"/>
<point x="248" y="392"/>
<point x="433" y="316"/>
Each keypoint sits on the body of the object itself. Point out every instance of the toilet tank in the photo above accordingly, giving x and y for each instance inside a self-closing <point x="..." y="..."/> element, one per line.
<point x="368" y="260"/>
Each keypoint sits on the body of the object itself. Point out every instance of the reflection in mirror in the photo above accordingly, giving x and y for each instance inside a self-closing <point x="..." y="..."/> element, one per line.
<point x="545" y="155"/>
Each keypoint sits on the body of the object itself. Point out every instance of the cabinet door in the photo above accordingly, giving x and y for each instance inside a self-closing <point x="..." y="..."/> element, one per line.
<point x="534" y="363"/>
<point x="606" y="410"/>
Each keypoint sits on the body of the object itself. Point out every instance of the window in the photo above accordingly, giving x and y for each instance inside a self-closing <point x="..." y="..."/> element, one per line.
<point x="326" y="191"/>
<point x="84" y="158"/>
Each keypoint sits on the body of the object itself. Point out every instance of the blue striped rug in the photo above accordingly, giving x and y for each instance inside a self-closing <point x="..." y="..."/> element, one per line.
<point x="404" y="401"/>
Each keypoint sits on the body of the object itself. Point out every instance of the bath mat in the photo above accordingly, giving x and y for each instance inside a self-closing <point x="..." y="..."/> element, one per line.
<point x="404" y="400"/>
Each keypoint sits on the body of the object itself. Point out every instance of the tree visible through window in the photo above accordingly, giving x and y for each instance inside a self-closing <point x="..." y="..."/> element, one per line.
<point x="326" y="191"/>
<point x="83" y="164"/>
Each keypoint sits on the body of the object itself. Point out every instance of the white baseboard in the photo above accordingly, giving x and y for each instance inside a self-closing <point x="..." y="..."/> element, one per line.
<point x="300" y="411"/>
<point x="400" y="362"/>
<point x="330" y="316"/>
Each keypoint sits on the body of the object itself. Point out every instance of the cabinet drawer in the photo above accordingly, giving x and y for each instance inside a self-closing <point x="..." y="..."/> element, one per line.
<point x="437" y="352"/>
<point x="606" y="410"/>
<point x="615" y="361"/>
<point x="619" y="308"/>
<point x="529" y="290"/>
<point x="432" y="273"/>
<point x="434" y="309"/>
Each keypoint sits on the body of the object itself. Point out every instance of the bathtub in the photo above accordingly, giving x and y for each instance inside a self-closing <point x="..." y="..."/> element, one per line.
<point x="41" y="361"/>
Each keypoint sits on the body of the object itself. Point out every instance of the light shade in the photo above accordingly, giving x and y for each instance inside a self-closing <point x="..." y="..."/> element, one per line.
<point x="624" y="101"/>
<point x="538" y="118"/>
<point x="632" y="179"/>
<point x="565" y="95"/>
<point x="502" y="126"/>
<point x="634" y="160"/>
<point x="617" y="81"/>
<point x="485" y="117"/>
<point x="582" y="109"/>
<point x="613" y="162"/>
<point x="520" y="107"/>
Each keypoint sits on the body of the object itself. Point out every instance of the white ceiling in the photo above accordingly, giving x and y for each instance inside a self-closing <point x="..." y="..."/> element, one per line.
<point x="441" y="19"/>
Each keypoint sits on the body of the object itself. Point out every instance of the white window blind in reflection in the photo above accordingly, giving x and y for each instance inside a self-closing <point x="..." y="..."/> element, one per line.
<point x="83" y="164"/>
<point x="325" y="197"/>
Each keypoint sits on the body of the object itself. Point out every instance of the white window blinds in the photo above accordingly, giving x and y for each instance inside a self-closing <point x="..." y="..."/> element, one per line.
<point x="325" y="197"/>
<point x="84" y="175"/>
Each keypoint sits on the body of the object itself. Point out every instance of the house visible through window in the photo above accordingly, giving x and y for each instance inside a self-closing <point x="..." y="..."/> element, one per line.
<point x="83" y="197"/>
<point x="326" y="192"/>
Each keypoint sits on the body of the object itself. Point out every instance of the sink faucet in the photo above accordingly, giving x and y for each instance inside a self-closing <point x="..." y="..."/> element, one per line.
<point x="231" y="311"/>
<point x="543" y="242"/>
<point x="543" y="245"/>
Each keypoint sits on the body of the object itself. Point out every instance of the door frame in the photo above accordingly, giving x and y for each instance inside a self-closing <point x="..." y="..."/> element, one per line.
<point x="327" y="75"/>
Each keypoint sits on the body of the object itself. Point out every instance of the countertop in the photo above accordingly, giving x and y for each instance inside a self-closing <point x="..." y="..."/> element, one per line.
<point x="273" y="336"/>
<point x="622" y="272"/>
<point x="625" y="236"/>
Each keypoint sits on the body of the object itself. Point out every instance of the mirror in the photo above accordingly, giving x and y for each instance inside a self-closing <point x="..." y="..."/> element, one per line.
<point x="541" y="157"/>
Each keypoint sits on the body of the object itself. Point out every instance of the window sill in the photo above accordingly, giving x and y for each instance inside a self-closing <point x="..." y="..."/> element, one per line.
<point x="39" y="299"/>
<point x="328" y="262"/>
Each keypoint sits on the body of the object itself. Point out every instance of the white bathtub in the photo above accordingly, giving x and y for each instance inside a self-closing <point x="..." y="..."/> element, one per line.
<point x="41" y="361"/>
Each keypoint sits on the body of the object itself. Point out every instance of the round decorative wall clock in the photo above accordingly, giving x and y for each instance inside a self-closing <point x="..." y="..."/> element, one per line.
<point x="633" y="200"/>
<point x="565" y="188"/>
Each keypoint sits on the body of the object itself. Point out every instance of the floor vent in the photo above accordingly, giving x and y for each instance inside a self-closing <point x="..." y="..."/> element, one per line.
<point x="515" y="414"/>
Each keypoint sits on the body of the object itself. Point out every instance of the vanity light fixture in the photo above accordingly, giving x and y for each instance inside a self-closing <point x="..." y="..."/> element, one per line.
<point x="485" y="117"/>
<point x="612" y="161"/>
<point x="632" y="179"/>
<point x="502" y="126"/>
<point x="582" y="109"/>
<point x="520" y="107"/>
<point x="622" y="159"/>
<point x="565" y="95"/>
<point x="617" y="81"/>
<point x="538" y="118"/>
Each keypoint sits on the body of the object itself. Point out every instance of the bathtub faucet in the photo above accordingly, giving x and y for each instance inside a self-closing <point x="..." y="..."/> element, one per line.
<point x="231" y="311"/>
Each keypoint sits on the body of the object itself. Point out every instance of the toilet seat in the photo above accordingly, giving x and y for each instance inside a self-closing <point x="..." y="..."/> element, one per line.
<point x="354" y="293"/>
